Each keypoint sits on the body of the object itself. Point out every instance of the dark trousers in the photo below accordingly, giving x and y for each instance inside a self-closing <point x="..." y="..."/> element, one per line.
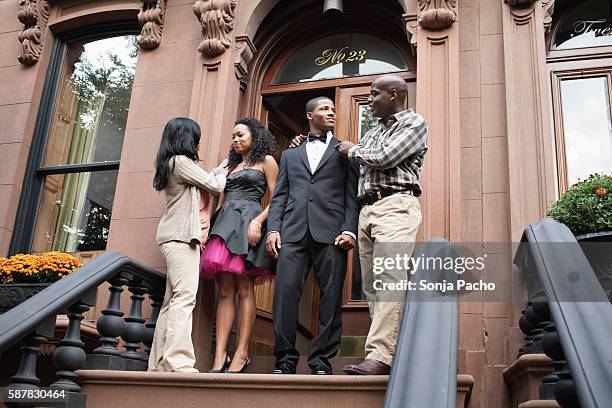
<point x="294" y="262"/>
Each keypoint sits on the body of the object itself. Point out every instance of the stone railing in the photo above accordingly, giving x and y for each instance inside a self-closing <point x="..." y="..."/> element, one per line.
<point x="569" y="319"/>
<point x="33" y="324"/>
<point x="424" y="370"/>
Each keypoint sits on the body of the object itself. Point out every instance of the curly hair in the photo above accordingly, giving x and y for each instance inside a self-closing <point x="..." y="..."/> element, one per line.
<point x="263" y="144"/>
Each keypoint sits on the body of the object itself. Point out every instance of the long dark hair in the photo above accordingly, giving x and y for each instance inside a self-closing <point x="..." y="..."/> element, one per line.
<point x="263" y="144"/>
<point x="181" y="137"/>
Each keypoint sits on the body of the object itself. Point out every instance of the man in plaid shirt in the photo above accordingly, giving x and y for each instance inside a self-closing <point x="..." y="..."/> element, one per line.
<point x="390" y="158"/>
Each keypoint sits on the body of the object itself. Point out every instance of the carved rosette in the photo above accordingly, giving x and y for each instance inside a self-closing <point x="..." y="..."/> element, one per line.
<point x="217" y="19"/>
<point x="151" y="19"/>
<point x="437" y="14"/>
<point x="34" y="14"/>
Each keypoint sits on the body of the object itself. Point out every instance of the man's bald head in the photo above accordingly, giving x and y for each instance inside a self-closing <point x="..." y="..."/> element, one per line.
<point x="391" y="83"/>
<point x="388" y="95"/>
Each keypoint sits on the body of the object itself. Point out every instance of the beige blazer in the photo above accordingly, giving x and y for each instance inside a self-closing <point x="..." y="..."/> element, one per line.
<point x="181" y="219"/>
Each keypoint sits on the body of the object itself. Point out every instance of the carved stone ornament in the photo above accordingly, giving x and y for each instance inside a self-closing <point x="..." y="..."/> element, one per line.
<point x="245" y="49"/>
<point x="412" y="27"/>
<point x="519" y="3"/>
<point x="151" y="19"/>
<point x="34" y="14"/>
<point x="547" y="5"/>
<point x="549" y="9"/>
<point x="437" y="14"/>
<point x="217" y="19"/>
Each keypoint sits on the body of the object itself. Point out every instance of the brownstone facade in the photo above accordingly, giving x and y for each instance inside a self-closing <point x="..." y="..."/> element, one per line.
<point x="478" y="71"/>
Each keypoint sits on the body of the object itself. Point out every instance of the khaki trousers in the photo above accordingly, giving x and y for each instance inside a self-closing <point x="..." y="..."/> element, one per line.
<point x="388" y="225"/>
<point x="172" y="348"/>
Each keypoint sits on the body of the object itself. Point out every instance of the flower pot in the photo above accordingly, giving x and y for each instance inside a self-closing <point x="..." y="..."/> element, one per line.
<point x="597" y="247"/>
<point x="12" y="294"/>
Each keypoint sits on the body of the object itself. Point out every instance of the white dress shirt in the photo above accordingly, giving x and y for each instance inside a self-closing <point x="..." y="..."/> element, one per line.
<point x="315" y="151"/>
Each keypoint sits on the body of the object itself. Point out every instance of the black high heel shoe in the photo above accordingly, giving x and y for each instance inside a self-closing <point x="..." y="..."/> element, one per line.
<point x="224" y="367"/>
<point x="243" y="369"/>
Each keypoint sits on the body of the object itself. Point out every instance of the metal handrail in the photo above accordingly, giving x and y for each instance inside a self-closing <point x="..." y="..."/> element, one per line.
<point x="424" y="370"/>
<point x="578" y="306"/>
<point x="24" y="318"/>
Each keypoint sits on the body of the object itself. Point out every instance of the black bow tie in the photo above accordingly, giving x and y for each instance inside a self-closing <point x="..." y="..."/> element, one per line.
<point x="321" y="138"/>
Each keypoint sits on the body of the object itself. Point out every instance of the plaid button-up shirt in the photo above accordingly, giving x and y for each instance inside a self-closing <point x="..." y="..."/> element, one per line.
<point x="391" y="154"/>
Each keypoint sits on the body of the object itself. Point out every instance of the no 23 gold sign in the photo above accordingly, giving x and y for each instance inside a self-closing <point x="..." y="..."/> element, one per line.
<point x="338" y="55"/>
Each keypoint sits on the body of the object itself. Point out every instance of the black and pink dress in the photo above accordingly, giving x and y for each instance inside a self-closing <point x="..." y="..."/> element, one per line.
<point x="228" y="248"/>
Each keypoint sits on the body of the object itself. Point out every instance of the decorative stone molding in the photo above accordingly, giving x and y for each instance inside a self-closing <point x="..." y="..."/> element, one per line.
<point x="34" y="14"/>
<point x="549" y="9"/>
<point x="412" y="26"/>
<point x="217" y="19"/>
<point x="519" y="3"/>
<point x="245" y="49"/>
<point x="531" y="150"/>
<point x="437" y="14"/>
<point x="547" y="5"/>
<point x="151" y="18"/>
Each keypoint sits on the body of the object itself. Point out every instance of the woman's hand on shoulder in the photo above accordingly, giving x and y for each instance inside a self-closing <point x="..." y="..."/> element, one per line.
<point x="221" y="168"/>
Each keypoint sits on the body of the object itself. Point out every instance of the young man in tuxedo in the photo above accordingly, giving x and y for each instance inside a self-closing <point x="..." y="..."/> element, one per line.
<point x="312" y="221"/>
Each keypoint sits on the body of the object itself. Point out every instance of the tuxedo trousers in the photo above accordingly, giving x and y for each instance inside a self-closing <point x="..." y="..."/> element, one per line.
<point x="328" y="263"/>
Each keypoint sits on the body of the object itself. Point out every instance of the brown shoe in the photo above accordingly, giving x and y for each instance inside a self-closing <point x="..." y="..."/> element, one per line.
<point x="367" y="367"/>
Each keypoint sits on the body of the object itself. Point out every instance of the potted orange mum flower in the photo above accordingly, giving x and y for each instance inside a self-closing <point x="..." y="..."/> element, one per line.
<point x="24" y="275"/>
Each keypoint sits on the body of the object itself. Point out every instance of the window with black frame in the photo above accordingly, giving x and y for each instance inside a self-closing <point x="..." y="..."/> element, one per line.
<point x="80" y="141"/>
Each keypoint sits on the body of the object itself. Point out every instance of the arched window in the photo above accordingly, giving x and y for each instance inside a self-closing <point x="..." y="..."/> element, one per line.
<point x="580" y="63"/>
<point x="341" y="55"/>
<point x="72" y="171"/>
<point x="587" y="25"/>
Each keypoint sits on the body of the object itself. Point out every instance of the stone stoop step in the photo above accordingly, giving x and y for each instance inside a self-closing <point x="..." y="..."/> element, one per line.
<point x="114" y="389"/>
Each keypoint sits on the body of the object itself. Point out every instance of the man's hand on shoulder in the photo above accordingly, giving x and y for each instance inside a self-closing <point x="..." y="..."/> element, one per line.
<point x="298" y="140"/>
<point x="344" y="146"/>
<point x="345" y="242"/>
<point x="273" y="244"/>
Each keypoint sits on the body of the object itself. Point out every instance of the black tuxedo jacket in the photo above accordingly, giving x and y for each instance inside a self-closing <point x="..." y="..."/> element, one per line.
<point x="324" y="201"/>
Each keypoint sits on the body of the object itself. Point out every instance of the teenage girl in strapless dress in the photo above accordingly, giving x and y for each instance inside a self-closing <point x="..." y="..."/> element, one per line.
<point x="235" y="255"/>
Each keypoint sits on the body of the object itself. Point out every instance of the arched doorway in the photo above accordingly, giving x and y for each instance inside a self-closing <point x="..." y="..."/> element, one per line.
<point x="301" y="55"/>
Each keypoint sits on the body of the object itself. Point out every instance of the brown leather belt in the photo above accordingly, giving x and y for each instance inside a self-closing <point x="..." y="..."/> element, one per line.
<point x="371" y="197"/>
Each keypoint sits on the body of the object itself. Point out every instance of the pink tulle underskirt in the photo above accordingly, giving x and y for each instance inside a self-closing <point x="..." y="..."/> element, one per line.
<point x="217" y="258"/>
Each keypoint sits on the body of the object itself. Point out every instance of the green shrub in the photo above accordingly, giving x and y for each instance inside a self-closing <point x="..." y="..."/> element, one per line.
<point x="586" y="206"/>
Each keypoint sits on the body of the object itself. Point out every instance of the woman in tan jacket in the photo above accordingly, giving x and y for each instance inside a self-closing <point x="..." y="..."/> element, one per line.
<point x="178" y="236"/>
